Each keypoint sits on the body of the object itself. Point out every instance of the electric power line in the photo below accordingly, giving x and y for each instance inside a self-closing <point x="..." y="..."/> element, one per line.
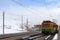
<point x="24" y="6"/>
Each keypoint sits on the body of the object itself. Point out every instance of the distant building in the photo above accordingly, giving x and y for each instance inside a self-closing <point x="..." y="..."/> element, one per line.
<point x="37" y="28"/>
<point x="59" y="28"/>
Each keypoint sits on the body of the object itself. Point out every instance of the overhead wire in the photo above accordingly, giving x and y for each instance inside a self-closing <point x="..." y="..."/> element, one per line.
<point x="25" y="7"/>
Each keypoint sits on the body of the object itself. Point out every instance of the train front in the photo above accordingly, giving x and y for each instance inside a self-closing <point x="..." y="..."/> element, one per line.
<point x="49" y="27"/>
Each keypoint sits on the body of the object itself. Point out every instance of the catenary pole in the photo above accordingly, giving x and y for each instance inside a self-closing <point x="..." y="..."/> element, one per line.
<point x="3" y="21"/>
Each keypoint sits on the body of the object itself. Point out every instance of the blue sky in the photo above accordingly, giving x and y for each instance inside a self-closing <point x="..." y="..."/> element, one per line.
<point x="35" y="10"/>
<point x="30" y="3"/>
<point x="39" y="3"/>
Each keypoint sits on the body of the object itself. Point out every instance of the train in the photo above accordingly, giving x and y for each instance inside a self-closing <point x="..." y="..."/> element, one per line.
<point x="49" y="27"/>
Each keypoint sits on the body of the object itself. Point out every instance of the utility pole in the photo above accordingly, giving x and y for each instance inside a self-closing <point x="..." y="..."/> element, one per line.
<point x="22" y="22"/>
<point x="27" y="24"/>
<point x="3" y="22"/>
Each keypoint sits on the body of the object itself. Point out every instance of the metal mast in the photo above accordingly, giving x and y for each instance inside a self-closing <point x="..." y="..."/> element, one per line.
<point x="3" y="22"/>
<point x="22" y="22"/>
<point x="27" y="24"/>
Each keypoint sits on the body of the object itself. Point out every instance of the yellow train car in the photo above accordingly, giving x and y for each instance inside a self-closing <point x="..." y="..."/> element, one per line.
<point x="49" y="27"/>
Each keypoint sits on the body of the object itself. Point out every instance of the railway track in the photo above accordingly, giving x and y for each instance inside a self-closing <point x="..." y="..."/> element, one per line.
<point x="41" y="38"/>
<point x="38" y="37"/>
<point x="50" y="37"/>
<point x="28" y="36"/>
<point x="33" y="37"/>
<point x="16" y="35"/>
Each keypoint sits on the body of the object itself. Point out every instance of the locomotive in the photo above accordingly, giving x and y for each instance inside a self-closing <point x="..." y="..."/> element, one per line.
<point x="49" y="27"/>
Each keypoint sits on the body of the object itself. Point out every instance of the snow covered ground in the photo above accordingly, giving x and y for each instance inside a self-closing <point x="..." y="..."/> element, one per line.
<point x="55" y="37"/>
<point x="9" y="31"/>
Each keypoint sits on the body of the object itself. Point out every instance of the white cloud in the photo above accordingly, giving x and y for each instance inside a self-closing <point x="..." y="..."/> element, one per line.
<point x="35" y="15"/>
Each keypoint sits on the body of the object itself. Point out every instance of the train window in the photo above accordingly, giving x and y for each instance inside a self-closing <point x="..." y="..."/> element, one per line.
<point x="47" y="25"/>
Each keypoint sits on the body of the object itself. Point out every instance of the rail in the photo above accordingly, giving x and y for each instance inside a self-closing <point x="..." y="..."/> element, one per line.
<point x="50" y="37"/>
